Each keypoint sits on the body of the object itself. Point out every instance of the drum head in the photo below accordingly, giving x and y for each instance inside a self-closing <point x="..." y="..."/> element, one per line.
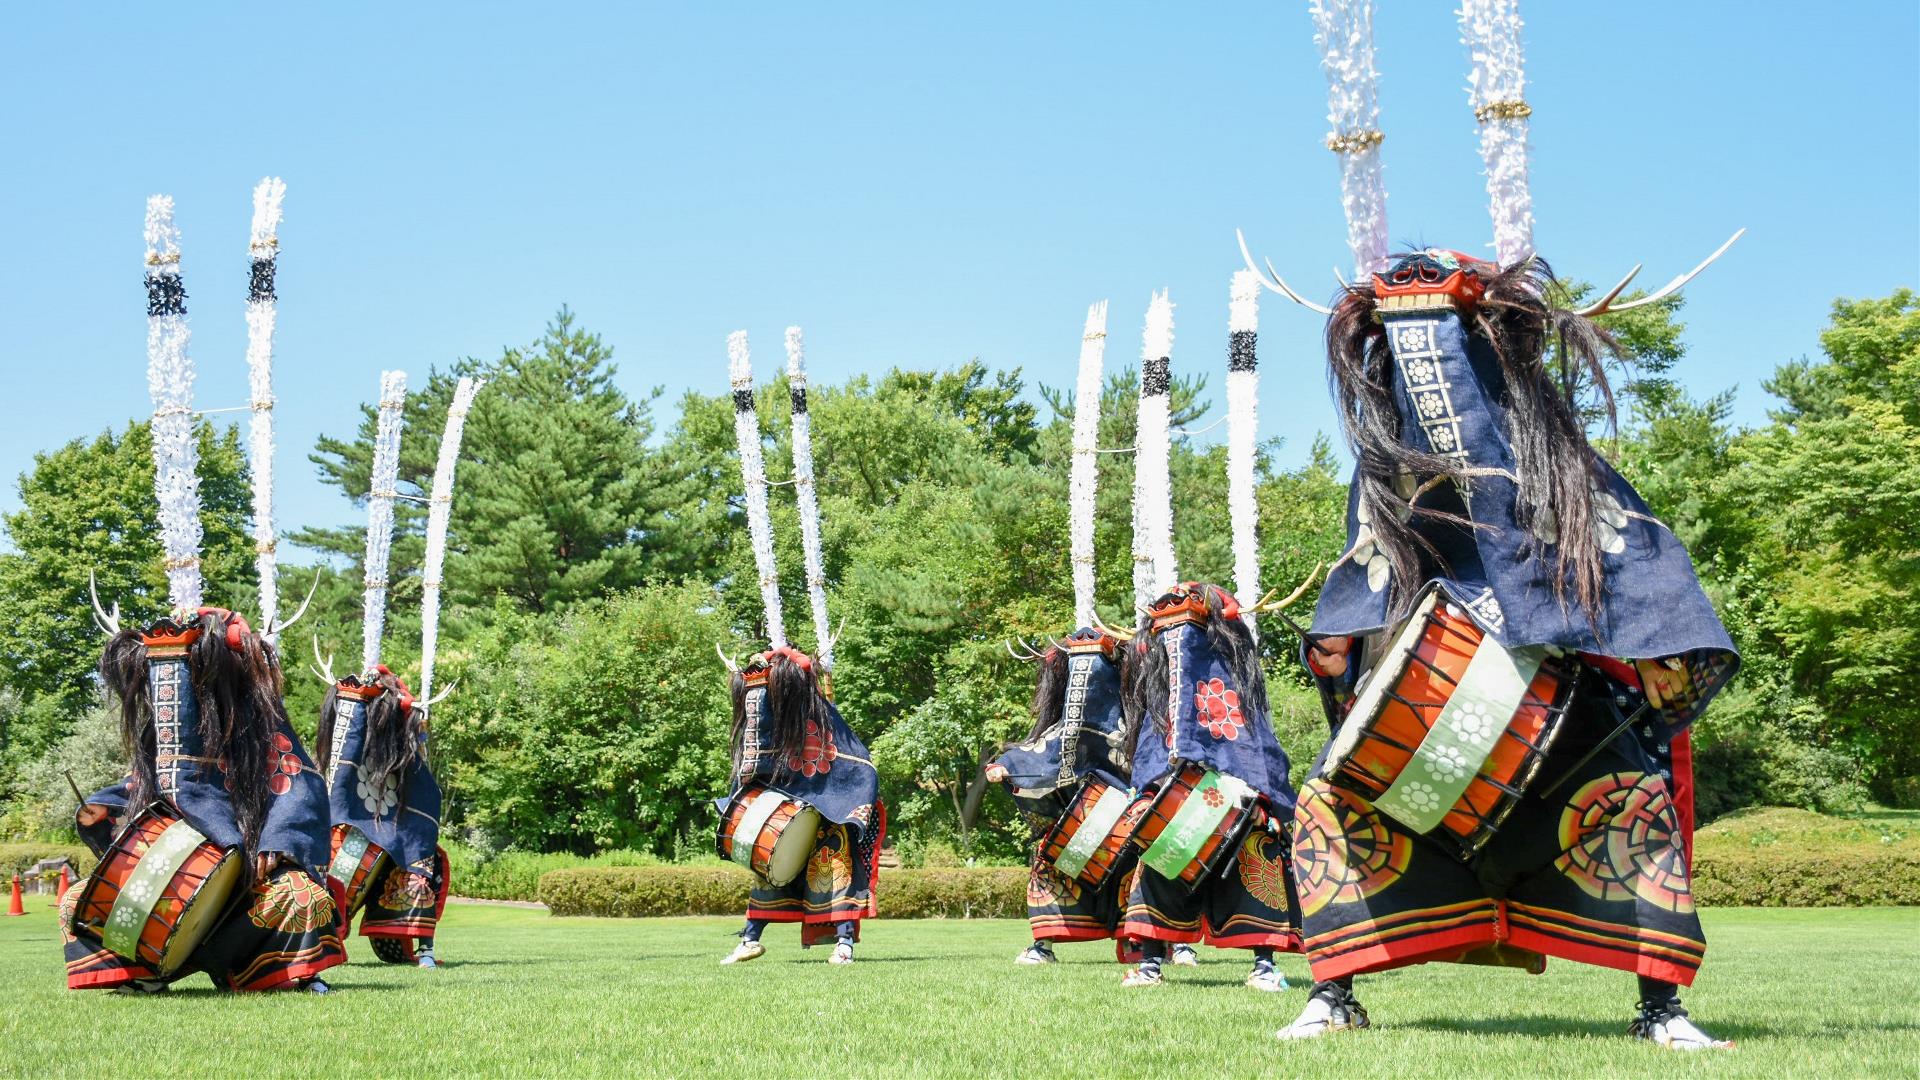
<point x="791" y="851"/>
<point x="1382" y="679"/>
<point x="203" y="911"/>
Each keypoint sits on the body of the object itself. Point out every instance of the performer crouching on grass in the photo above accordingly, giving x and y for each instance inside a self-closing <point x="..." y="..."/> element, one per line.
<point x="1198" y="729"/>
<point x="805" y="815"/>
<point x="1511" y="654"/>
<point x="218" y="785"/>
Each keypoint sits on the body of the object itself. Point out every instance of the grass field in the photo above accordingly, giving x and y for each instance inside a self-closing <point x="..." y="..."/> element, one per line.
<point x="1805" y="992"/>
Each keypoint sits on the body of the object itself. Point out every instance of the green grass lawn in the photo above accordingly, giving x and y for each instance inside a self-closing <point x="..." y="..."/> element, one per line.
<point x="1806" y="992"/>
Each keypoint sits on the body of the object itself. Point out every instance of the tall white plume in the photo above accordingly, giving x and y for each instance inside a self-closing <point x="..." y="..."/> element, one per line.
<point x="753" y="470"/>
<point x="1243" y="402"/>
<point x="1343" y="29"/>
<point x="1085" y="471"/>
<point x="1496" y="89"/>
<point x="381" y="489"/>
<point x="439" y="509"/>
<point x="176" y="455"/>
<point x="263" y="247"/>
<point x="807" y="497"/>
<point x="1153" y="485"/>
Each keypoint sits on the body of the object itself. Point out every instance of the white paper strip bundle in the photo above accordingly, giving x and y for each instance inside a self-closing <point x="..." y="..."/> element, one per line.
<point x="176" y="455"/>
<point x="1343" y="29"/>
<point x="753" y="471"/>
<point x="1243" y="402"/>
<point x="1153" y="486"/>
<point x="807" y="497"/>
<point x="1496" y="89"/>
<point x="263" y="248"/>
<point x="1085" y="470"/>
<point x="439" y="508"/>
<point x="380" y="494"/>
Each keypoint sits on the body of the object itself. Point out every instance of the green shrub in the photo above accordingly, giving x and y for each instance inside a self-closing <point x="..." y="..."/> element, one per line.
<point x="995" y="892"/>
<point x="19" y="858"/>
<point x="1785" y="857"/>
<point x="515" y="875"/>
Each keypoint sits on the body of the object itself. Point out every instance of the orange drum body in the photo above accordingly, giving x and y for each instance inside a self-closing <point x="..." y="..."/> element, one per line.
<point x="769" y="833"/>
<point x="1089" y="842"/>
<point x="1449" y="728"/>
<point x="357" y="863"/>
<point x="159" y="890"/>
<point x="1195" y="823"/>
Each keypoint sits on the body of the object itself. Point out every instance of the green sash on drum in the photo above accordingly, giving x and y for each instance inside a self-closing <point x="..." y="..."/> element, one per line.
<point x="353" y="848"/>
<point x="1198" y="817"/>
<point x="145" y="886"/>
<point x="752" y="820"/>
<point x="1094" y="828"/>
<point x="1475" y="717"/>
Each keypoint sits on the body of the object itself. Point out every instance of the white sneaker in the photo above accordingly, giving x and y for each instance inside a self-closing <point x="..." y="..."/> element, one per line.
<point x="842" y="954"/>
<point x="745" y="951"/>
<point x="1036" y="953"/>
<point x="1142" y="976"/>
<point x="1268" y="979"/>
<point x="425" y="959"/>
<point x="1324" y="1015"/>
<point x="1674" y="1031"/>
<point x="1185" y="956"/>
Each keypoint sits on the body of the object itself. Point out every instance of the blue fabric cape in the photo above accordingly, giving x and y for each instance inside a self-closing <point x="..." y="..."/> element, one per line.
<point x="409" y="836"/>
<point x="1209" y="725"/>
<point x="843" y="785"/>
<point x="1043" y="772"/>
<point x="1451" y="395"/>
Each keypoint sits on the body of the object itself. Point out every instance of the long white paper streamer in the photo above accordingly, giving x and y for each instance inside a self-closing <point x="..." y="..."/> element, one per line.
<point x="1343" y="29"/>
<point x="263" y="248"/>
<point x="1085" y="470"/>
<point x="380" y="494"/>
<point x="807" y="498"/>
<point x="1496" y="89"/>
<point x="1243" y="401"/>
<point x="176" y="455"/>
<point x="753" y="471"/>
<point x="1153" y="485"/>
<point x="439" y="509"/>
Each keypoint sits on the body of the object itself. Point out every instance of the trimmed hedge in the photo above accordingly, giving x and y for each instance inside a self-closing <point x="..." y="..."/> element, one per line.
<point x="19" y="858"/>
<point x="988" y="892"/>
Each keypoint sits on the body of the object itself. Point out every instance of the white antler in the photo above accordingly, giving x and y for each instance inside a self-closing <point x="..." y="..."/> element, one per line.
<point x="277" y="627"/>
<point x="1606" y="303"/>
<point x="109" y="623"/>
<point x="323" y="667"/>
<point x="725" y="659"/>
<point x="1272" y="279"/>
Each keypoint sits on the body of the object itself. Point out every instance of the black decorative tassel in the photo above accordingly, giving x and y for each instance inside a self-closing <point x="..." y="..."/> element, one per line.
<point x="260" y="283"/>
<point x="799" y="395"/>
<point x="742" y="401"/>
<point x="1240" y="351"/>
<point x="1155" y="379"/>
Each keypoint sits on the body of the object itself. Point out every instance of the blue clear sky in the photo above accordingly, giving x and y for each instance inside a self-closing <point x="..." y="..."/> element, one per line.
<point x="912" y="187"/>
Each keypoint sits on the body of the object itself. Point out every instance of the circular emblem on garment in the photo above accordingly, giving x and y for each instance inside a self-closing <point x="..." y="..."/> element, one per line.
<point x="1342" y="849"/>
<point x="1620" y="840"/>
<point x="1263" y="868"/>
<point x="1047" y="887"/>
<point x="830" y="867"/>
<point x="405" y="890"/>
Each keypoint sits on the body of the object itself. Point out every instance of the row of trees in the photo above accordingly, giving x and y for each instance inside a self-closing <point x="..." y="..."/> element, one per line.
<point x="597" y="557"/>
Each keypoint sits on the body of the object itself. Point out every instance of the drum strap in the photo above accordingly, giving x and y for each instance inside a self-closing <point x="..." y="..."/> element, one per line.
<point x="1094" y="828"/>
<point x="1475" y="718"/>
<point x="752" y="820"/>
<point x="1198" y="818"/>
<point x="144" y="887"/>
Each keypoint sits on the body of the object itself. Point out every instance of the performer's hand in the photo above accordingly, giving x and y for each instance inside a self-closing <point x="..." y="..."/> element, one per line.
<point x="92" y="814"/>
<point x="1664" y="681"/>
<point x="1328" y="656"/>
<point x="264" y="864"/>
<point x="996" y="772"/>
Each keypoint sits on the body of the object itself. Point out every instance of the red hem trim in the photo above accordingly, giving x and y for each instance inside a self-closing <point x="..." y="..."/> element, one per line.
<point x="1620" y="959"/>
<point x="1071" y="935"/>
<point x="94" y="980"/>
<point x="381" y="931"/>
<point x="1282" y="942"/>
<point x="1147" y="931"/>
<point x="1404" y="952"/>
<point x="305" y="969"/>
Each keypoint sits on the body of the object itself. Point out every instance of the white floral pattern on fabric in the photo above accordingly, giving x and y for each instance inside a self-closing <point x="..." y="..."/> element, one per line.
<point x="380" y="801"/>
<point x="1609" y="519"/>
<point x="1422" y="797"/>
<point x="1446" y="765"/>
<point x="1473" y="724"/>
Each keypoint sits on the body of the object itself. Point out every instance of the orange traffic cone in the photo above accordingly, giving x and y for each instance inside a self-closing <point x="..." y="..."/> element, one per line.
<point x="66" y="882"/>
<point x="15" y="907"/>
